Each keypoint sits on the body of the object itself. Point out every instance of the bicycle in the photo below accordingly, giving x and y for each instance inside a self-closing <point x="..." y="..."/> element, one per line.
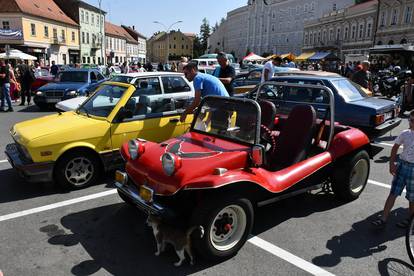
<point x="409" y="239"/>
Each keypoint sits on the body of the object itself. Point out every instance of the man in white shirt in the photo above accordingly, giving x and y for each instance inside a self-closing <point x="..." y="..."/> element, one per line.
<point x="403" y="172"/>
<point x="269" y="68"/>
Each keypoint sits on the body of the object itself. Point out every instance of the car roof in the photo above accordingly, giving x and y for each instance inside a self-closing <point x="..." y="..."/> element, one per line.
<point x="319" y="74"/>
<point x="81" y="70"/>
<point x="146" y="74"/>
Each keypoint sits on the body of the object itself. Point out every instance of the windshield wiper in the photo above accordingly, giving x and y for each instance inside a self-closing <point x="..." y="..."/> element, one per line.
<point x="83" y="108"/>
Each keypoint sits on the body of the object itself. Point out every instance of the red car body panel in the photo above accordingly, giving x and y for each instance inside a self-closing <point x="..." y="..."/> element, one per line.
<point x="202" y="154"/>
<point x="40" y="81"/>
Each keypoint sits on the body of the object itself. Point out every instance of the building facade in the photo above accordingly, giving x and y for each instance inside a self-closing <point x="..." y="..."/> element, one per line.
<point x="273" y="28"/>
<point x="141" y="54"/>
<point x="116" y="43"/>
<point x="40" y="29"/>
<point x="395" y="22"/>
<point x="343" y="32"/>
<point x="91" y="32"/>
<point x="179" y="45"/>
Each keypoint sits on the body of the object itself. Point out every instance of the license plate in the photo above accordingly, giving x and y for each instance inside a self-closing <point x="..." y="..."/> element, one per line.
<point x="387" y="116"/>
<point x="52" y="100"/>
<point x="146" y="193"/>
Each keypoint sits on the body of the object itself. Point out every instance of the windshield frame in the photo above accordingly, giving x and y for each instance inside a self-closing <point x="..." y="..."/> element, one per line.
<point x="116" y="107"/>
<point x="234" y="100"/>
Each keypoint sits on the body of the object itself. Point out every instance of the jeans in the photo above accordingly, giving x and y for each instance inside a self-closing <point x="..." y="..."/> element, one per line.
<point x="6" y="94"/>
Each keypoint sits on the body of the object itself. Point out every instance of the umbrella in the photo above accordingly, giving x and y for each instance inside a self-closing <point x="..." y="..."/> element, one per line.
<point x="271" y="56"/>
<point x="16" y="54"/>
<point x="290" y="56"/>
<point x="252" y="57"/>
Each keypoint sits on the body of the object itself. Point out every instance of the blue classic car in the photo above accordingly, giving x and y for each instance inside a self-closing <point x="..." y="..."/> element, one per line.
<point x="374" y="116"/>
<point x="68" y="84"/>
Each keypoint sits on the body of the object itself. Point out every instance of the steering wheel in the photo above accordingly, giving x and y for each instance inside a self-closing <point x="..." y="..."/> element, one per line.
<point x="266" y="138"/>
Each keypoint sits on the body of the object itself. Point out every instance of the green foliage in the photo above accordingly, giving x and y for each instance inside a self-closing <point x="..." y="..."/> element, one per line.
<point x="205" y="31"/>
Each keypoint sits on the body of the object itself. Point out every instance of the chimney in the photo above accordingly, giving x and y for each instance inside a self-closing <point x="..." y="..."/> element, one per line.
<point x="133" y="27"/>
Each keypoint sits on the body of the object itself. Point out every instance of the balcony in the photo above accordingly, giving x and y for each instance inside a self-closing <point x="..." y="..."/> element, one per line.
<point x="96" y="45"/>
<point x="58" y="40"/>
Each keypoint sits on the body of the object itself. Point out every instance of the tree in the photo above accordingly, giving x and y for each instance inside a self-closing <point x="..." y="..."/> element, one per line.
<point x="197" y="47"/>
<point x="248" y="51"/>
<point x="215" y="28"/>
<point x="205" y="31"/>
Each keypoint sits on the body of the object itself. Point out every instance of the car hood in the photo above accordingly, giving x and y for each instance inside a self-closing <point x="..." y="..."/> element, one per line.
<point x="57" y="125"/>
<point x="200" y="156"/>
<point x="68" y="86"/>
<point x="376" y="103"/>
<point x="71" y="104"/>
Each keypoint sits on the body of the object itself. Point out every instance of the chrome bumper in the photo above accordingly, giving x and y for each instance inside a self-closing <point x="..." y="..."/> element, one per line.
<point x="132" y="193"/>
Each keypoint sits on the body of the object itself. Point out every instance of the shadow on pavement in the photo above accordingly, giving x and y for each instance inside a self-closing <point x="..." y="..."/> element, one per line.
<point x="118" y="240"/>
<point x="362" y="240"/>
<point x="32" y="108"/>
<point x="386" y="138"/>
<point x="394" y="267"/>
<point x="15" y="188"/>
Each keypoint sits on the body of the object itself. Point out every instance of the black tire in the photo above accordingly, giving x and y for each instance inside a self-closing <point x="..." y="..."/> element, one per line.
<point x="345" y="172"/>
<point x="42" y="106"/>
<point x="90" y="171"/>
<point x="409" y="240"/>
<point x="126" y="199"/>
<point x="205" y="216"/>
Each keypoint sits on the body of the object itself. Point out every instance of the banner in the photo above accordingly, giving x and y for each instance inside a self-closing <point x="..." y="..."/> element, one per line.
<point x="11" y="34"/>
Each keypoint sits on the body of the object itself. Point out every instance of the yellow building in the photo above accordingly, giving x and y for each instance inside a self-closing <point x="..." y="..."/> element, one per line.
<point x="39" y="28"/>
<point x="179" y="45"/>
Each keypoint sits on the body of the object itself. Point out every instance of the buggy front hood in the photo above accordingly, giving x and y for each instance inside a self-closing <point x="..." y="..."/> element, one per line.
<point x="200" y="155"/>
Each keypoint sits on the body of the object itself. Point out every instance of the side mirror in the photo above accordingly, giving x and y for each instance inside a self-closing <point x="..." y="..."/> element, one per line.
<point x="257" y="155"/>
<point x="124" y="113"/>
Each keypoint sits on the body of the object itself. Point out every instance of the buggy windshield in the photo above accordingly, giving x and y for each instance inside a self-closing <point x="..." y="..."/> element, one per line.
<point x="231" y="119"/>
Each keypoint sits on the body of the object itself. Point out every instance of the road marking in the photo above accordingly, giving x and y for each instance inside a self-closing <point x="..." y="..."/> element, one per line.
<point x="384" y="144"/>
<point x="4" y="161"/>
<point x="289" y="257"/>
<point x="379" y="184"/>
<point x="56" y="205"/>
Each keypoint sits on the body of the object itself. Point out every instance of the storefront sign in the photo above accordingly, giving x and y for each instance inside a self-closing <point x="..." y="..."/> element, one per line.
<point x="11" y="34"/>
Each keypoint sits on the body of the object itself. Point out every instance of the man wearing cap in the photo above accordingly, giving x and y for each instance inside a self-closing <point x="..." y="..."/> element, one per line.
<point x="269" y="68"/>
<point x="204" y="85"/>
<point x="225" y="73"/>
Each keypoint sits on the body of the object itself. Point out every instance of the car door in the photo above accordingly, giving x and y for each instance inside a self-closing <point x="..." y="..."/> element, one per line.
<point x="152" y="119"/>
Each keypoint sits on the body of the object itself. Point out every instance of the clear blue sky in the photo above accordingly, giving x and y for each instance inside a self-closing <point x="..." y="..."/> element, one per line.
<point x="142" y="13"/>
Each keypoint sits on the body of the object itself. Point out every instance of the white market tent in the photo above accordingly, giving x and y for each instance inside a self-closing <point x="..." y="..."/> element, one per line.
<point x="16" y="54"/>
<point x="253" y="57"/>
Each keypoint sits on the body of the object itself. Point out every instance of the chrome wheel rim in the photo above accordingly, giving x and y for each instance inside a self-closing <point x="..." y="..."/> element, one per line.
<point x="228" y="227"/>
<point x="359" y="174"/>
<point x="79" y="171"/>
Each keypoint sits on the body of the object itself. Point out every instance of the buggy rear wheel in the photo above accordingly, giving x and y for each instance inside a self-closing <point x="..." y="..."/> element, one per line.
<point x="350" y="176"/>
<point x="409" y="240"/>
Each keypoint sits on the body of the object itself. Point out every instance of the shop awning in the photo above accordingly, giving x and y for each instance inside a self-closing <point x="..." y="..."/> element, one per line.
<point x="16" y="54"/>
<point x="290" y="56"/>
<point x="304" y="56"/>
<point x="323" y="55"/>
<point x="271" y="56"/>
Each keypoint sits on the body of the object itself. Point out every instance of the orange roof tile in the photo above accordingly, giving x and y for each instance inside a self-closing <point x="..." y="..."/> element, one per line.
<point x="40" y="8"/>
<point x="115" y="30"/>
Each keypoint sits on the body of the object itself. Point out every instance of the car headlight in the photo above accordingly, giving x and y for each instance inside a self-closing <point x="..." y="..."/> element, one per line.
<point x="135" y="148"/>
<point x="39" y="93"/>
<point x="73" y="93"/>
<point x="170" y="163"/>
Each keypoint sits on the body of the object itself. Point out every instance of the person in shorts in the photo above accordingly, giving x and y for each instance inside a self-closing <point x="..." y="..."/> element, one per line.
<point x="403" y="172"/>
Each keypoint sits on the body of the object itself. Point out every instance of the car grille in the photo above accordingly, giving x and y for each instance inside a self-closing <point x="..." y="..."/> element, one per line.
<point x="54" y="94"/>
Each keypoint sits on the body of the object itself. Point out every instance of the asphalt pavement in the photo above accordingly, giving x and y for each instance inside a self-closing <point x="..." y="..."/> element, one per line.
<point x="48" y="231"/>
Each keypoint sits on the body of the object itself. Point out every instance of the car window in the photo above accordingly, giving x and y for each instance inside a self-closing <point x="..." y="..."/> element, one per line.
<point x="93" y="76"/>
<point x="255" y="75"/>
<point x="202" y="63"/>
<point x="307" y="95"/>
<point x="147" y="86"/>
<point x="100" y="77"/>
<point x="349" y="90"/>
<point x="103" y="101"/>
<point x="72" y="76"/>
<point x="175" y="84"/>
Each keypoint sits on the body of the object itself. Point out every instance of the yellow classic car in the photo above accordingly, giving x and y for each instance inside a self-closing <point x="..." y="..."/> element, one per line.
<point x="74" y="148"/>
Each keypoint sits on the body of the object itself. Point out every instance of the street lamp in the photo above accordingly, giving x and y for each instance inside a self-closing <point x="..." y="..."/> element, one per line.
<point x="167" y="31"/>
<point x="101" y="26"/>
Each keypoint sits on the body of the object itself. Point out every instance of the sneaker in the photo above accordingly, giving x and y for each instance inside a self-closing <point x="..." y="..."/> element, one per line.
<point x="21" y="104"/>
<point x="9" y="109"/>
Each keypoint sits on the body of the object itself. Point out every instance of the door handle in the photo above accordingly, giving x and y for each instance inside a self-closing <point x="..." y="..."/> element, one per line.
<point x="174" y="120"/>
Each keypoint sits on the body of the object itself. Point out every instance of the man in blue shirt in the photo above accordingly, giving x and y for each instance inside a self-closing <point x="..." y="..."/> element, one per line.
<point x="204" y="85"/>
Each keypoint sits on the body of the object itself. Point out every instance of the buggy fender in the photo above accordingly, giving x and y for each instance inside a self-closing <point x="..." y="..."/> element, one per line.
<point x="273" y="182"/>
<point x="347" y="141"/>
